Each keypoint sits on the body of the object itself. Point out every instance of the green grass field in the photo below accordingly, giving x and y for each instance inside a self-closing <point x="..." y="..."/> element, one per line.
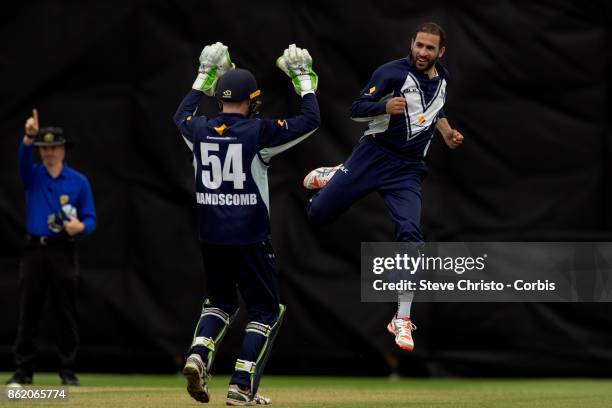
<point x="100" y="390"/>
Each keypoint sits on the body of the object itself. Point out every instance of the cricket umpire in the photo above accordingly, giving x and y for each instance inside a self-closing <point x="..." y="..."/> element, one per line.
<point x="59" y="207"/>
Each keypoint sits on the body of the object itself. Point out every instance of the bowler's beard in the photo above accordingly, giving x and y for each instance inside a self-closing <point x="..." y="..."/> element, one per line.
<point x="430" y="63"/>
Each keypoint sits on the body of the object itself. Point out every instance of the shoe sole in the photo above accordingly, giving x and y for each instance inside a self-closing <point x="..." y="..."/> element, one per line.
<point x="194" y="386"/>
<point x="232" y="401"/>
<point x="404" y="346"/>
<point x="236" y="403"/>
<point x="311" y="183"/>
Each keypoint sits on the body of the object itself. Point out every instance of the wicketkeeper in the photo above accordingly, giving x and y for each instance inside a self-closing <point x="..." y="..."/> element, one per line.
<point x="231" y="155"/>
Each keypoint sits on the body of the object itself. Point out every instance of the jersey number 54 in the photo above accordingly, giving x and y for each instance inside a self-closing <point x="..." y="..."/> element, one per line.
<point x="230" y="170"/>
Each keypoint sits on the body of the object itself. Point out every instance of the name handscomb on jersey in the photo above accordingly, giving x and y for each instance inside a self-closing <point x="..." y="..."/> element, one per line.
<point x="226" y="199"/>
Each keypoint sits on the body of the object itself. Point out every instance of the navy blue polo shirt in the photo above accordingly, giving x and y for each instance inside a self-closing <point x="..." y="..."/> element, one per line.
<point x="46" y="195"/>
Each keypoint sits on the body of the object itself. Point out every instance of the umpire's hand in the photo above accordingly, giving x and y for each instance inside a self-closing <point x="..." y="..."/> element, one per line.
<point x="31" y="128"/>
<point x="74" y="226"/>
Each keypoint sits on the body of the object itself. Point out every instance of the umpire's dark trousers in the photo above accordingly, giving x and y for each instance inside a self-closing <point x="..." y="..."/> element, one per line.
<point x="49" y="267"/>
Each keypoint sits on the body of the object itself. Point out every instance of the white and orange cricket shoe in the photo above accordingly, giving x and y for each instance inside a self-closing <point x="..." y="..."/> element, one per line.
<point x="320" y="177"/>
<point x="402" y="329"/>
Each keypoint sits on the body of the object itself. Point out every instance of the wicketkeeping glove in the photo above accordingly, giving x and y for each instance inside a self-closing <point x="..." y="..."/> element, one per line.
<point x="297" y="64"/>
<point x="214" y="62"/>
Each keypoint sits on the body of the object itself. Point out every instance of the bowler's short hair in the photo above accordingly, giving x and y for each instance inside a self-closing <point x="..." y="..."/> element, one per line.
<point x="431" y="28"/>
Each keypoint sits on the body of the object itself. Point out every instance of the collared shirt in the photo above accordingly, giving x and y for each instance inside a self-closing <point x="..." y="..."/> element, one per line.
<point x="409" y="134"/>
<point x="46" y="195"/>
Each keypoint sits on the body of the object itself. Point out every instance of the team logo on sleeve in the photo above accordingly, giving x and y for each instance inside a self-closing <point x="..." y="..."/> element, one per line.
<point x="282" y="123"/>
<point x="371" y="91"/>
<point x="64" y="198"/>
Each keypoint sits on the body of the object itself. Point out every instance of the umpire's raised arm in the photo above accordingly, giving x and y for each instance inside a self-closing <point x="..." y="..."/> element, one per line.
<point x="26" y="168"/>
<point x="214" y="62"/>
<point x="279" y="135"/>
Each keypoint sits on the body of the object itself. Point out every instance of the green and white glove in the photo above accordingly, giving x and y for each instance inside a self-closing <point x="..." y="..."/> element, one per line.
<point x="214" y="62"/>
<point x="297" y="64"/>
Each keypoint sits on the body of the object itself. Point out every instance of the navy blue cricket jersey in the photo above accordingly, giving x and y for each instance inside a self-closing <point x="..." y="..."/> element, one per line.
<point x="408" y="135"/>
<point x="46" y="195"/>
<point x="231" y="154"/>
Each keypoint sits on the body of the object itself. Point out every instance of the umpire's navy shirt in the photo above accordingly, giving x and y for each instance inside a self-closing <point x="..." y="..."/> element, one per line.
<point x="46" y="195"/>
